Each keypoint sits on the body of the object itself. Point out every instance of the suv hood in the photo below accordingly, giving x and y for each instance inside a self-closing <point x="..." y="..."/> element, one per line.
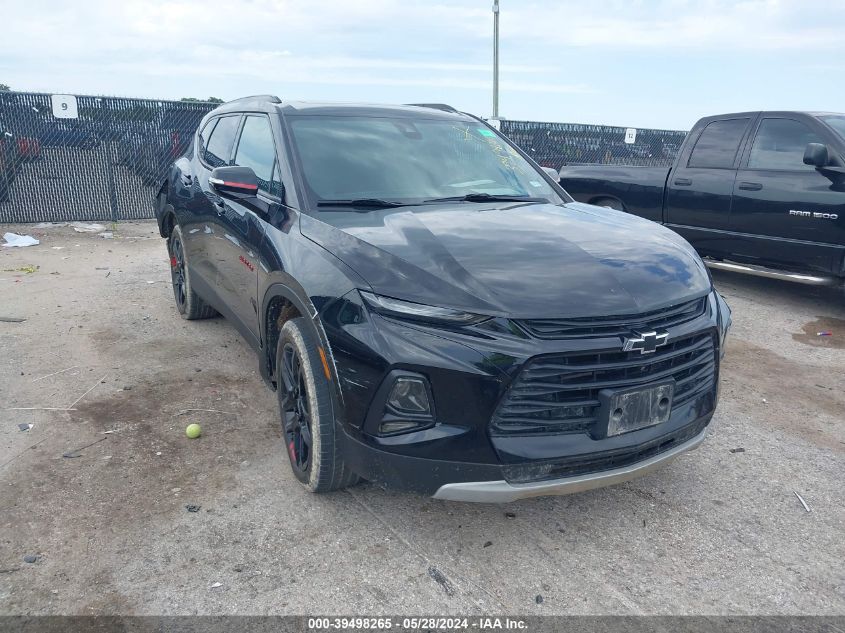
<point x="516" y="260"/>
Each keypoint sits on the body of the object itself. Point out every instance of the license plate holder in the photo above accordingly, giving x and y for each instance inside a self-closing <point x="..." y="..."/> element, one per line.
<point x="625" y="410"/>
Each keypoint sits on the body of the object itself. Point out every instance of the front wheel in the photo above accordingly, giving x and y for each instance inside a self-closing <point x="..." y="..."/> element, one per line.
<point x="308" y="425"/>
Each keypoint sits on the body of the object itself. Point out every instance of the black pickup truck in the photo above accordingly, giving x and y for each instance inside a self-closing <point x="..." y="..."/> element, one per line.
<point x="757" y="192"/>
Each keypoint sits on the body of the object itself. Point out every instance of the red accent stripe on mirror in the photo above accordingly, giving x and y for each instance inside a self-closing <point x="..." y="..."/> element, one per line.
<point x="240" y="185"/>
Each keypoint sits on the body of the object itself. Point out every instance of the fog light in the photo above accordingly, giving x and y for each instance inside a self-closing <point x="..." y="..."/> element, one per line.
<point x="397" y="426"/>
<point x="403" y="404"/>
<point x="409" y="395"/>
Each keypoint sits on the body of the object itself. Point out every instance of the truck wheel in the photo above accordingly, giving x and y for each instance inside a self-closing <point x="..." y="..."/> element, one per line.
<point x="610" y="203"/>
<point x="308" y="426"/>
<point x="189" y="304"/>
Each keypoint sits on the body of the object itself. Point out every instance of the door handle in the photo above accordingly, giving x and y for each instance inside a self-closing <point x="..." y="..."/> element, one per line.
<point x="750" y="186"/>
<point x="683" y="182"/>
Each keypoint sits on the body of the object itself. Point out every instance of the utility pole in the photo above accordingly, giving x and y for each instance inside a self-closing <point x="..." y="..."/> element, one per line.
<point x="495" y="59"/>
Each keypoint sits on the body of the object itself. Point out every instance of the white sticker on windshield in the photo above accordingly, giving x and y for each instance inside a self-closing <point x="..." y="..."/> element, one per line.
<point x="535" y="183"/>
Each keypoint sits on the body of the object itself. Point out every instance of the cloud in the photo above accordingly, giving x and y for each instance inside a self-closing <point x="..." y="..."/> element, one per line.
<point x="388" y="43"/>
<point x="717" y="25"/>
<point x="656" y="62"/>
<point x="285" y="70"/>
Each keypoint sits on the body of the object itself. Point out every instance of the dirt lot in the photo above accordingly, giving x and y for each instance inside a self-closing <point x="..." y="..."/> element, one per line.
<point x="719" y="531"/>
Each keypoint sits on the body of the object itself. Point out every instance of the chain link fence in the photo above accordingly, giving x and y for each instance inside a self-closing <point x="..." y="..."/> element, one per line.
<point x="558" y="144"/>
<point x="65" y="157"/>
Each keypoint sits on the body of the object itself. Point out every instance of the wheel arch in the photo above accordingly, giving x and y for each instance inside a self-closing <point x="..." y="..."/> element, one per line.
<point x="165" y="212"/>
<point x="280" y="304"/>
<point x="607" y="201"/>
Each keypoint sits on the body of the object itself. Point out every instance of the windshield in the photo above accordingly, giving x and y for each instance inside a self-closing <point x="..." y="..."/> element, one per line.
<point x="837" y="123"/>
<point x="410" y="161"/>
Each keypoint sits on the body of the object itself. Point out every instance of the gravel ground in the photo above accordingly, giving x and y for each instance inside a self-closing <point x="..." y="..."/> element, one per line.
<point x="98" y="494"/>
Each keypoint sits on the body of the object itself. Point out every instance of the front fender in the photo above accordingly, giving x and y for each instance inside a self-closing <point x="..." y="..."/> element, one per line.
<point x="310" y="278"/>
<point x="297" y="297"/>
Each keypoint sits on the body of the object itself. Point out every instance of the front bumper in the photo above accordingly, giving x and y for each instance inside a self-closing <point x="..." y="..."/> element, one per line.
<point x="487" y="483"/>
<point x="471" y="371"/>
<point x="502" y="491"/>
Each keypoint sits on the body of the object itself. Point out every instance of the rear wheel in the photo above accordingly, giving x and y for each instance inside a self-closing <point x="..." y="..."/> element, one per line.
<point x="189" y="304"/>
<point x="308" y="424"/>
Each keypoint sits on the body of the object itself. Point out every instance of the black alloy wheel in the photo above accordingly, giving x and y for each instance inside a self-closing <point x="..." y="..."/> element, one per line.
<point x="296" y="412"/>
<point x="190" y="305"/>
<point x="177" y="272"/>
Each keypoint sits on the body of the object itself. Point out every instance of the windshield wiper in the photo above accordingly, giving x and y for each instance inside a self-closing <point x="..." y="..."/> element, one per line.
<point x="488" y="197"/>
<point x="363" y="203"/>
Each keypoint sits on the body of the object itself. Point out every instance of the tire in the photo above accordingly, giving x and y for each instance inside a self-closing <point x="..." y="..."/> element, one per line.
<point x="189" y="304"/>
<point x="609" y="203"/>
<point x="308" y="426"/>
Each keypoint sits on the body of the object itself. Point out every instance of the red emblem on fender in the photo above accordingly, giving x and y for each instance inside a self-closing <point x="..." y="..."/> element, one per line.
<point x="247" y="263"/>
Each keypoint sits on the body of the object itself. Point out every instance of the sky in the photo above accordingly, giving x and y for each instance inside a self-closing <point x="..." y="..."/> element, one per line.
<point x="638" y="63"/>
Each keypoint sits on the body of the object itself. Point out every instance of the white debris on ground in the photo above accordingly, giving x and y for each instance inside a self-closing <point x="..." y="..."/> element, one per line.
<point x="79" y="227"/>
<point x="86" y="227"/>
<point x="13" y="239"/>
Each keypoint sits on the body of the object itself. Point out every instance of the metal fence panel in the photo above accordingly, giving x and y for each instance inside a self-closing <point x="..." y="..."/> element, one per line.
<point x="558" y="144"/>
<point x="102" y="164"/>
<point x="101" y="158"/>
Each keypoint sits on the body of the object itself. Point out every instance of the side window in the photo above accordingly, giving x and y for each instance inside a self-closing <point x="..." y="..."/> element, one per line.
<point x="780" y="144"/>
<point x="204" y="134"/>
<point x="220" y="142"/>
<point x="718" y="144"/>
<point x="257" y="150"/>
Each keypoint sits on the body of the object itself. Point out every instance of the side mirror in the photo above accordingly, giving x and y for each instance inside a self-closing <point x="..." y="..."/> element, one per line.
<point x="816" y="155"/>
<point x="237" y="183"/>
<point x="552" y="173"/>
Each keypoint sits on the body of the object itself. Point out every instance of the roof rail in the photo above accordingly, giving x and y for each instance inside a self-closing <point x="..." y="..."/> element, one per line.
<point x="265" y="98"/>
<point x="436" y="106"/>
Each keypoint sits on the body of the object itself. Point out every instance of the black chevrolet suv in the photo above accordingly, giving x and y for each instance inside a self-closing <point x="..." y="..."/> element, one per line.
<point x="433" y="310"/>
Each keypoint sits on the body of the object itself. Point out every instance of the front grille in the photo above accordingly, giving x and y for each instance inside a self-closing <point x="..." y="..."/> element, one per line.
<point x="560" y="393"/>
<point x="619" y="325"/>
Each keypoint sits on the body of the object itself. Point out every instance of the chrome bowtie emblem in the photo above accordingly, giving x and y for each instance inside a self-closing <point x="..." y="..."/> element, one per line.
<point x="645" y="342"/>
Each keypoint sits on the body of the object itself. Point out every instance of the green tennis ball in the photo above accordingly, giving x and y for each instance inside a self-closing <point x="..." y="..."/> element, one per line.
<point x="193" y="431"/>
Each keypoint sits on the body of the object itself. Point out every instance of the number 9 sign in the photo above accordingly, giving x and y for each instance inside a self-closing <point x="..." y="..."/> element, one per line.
<point x="64" y="106"/>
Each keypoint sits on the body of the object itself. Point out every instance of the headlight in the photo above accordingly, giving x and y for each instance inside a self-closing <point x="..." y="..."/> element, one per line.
<point x="419" y="311"/>
<point x="725" y="322"/>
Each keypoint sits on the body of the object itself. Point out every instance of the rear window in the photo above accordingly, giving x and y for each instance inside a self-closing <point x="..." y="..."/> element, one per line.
<point x="718" y="144"/>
